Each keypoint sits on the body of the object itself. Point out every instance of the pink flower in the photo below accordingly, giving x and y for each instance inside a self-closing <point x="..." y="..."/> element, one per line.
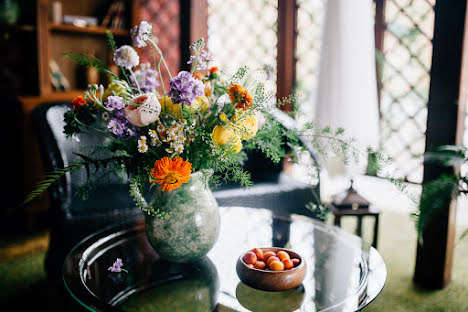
<point x="143" y="110"/>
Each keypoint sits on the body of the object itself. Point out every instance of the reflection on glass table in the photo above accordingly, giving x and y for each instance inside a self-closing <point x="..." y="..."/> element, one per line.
<point x="341" y="276"/>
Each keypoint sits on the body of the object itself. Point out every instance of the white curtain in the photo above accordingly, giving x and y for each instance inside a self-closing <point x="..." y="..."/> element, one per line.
<point x="347" y="88"/>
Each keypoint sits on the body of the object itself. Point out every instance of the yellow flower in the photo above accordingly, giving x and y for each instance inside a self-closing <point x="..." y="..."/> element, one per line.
<point x="201" y="103"/>
<point x="112" y="87"/>
<point x="224" y="136"/>
<point x="170" y="108"/>
<point x="222" y="117"/>
<point x="245" y="123"/>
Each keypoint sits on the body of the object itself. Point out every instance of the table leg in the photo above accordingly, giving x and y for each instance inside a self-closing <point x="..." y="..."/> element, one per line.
<point x="281" y="229"/>
<point x="376" y="231"/>
<point x="337" y="221"/>
<point x="359" y="226"/>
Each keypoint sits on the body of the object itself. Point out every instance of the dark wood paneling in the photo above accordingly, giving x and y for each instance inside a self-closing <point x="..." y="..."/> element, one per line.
<point x="193" y="25"/>
<point x="435" y="256"/>
<point x="287" y="36"/>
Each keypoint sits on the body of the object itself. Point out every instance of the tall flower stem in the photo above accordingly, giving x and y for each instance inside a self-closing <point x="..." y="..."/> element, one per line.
<point x="160" y="77"/>
<point x="161" y="57"/>
<point x="134" y="78"/>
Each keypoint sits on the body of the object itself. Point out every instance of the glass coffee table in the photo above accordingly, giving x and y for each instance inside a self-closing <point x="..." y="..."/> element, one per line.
<point x="342" y="273"/>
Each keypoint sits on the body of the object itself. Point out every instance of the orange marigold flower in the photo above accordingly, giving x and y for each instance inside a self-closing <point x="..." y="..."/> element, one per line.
<point x="78" y="102"/>
<point x="213" y="70"/>
<point x="239" y="97"/>
<point x="246" y="100"/>
<point x="170" y="173"/>
<point x="235" y="93"/>
<point x="198" y="76"/>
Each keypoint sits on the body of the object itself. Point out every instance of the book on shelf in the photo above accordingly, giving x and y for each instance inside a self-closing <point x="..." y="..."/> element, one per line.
<point x="114" y="15"/>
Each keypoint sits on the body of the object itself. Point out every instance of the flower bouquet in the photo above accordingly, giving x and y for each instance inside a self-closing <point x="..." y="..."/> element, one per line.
<point x="171" y="144"/>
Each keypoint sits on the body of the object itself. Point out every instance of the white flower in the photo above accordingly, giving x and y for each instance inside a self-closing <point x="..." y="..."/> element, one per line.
<point x="142" y="141"/>
<point x="143" y="148"/>
<point x="143" y="110"/>
<point x="152" y="133"/>
<point x="180" y="138"/>
<point x="161" y="128"/>
<point x="141" y="34"/>
<point x="179" y="148"/>
<point x="126" y="57"/>
<point x="155" y="142"/>
<point x="105" y="116"/>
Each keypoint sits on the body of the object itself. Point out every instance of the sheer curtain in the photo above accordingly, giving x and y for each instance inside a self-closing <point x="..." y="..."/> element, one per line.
<point x="347" y="87"/>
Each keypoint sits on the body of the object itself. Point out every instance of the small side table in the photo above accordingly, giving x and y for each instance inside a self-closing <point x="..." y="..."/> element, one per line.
<point x="359" y="213"/>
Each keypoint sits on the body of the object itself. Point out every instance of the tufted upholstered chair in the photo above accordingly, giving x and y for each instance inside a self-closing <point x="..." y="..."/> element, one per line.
<point x="73" y="219"/>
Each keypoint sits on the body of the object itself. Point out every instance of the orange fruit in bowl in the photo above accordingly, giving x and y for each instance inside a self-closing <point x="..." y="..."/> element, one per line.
<point x="282" y="255"/>
<point x="276" y="266"/>
<point x="271" y="259"/>
<point x="250" y="258"/>
<point x="288" y="264"/>
<point x="259" y="253"/>
<point x="260" y="265"/>
<point x="268" y="254"/>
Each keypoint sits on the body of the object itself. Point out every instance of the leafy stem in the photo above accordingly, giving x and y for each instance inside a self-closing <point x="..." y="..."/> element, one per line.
<point x="161" y="57"/>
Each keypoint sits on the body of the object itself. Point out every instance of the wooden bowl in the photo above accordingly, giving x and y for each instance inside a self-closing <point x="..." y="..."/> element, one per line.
<point x="272" y="280"/>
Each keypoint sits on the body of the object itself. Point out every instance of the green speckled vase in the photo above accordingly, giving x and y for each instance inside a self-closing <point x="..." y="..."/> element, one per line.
<point x="193" y="224"/>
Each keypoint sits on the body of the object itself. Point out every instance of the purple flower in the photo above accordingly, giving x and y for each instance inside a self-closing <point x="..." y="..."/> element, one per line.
<point x="116" y="126"/>
<point x="203" y="59"/>
<point x="114" y="103"/>
<point x="147" y="78"/>
<point x="184" y="88"/>
<point x="117" y="266"/>
<point x="142" y="33"/>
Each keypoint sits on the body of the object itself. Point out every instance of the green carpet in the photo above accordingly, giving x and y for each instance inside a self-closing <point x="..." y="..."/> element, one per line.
<point x="23" y="284"/>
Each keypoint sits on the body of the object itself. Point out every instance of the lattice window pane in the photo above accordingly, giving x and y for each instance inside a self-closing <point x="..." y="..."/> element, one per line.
<point x="405" y="82"/>
<point x="243" y="33"/>
<point x="310" y="19"/>
<point x="164" y="15"/>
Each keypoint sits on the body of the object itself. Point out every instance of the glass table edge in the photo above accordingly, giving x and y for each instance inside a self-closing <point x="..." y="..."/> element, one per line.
<point x="135" y="219"/>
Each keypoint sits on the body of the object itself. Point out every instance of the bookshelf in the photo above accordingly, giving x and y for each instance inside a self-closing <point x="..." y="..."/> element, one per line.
<point x="56" y="39"/>
<point x="91" y="30"/>
<point x="38" y="40"/>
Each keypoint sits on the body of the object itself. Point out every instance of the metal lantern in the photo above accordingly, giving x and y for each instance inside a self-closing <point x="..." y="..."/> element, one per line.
<point x="350" y="199"/>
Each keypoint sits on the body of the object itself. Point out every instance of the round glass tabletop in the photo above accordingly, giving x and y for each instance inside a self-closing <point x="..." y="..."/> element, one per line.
<point x="342" y="275"/>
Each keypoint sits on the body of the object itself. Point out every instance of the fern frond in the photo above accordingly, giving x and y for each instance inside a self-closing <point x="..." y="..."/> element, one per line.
<point x="51" y="178"/>
<point x="88" y="61"/>
<point x="435" y="198"/>
<point x="111" y="40"/>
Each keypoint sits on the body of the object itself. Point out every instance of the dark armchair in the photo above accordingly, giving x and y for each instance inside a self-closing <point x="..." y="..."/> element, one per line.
<point x="73" y="219"/>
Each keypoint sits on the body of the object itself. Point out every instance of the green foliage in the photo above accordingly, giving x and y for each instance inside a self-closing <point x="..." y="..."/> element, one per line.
<point x="319" y="211"/>
<point x="437" y="194"/>
<point x="89" y="61"/>
<point x="435" y="199"/>
<point x="49" y="179"/>
<point x="239" y="75"/>
<point x="75" y="120"/>
<point x="136" y="192"/>
<point x="111" y="40"/>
